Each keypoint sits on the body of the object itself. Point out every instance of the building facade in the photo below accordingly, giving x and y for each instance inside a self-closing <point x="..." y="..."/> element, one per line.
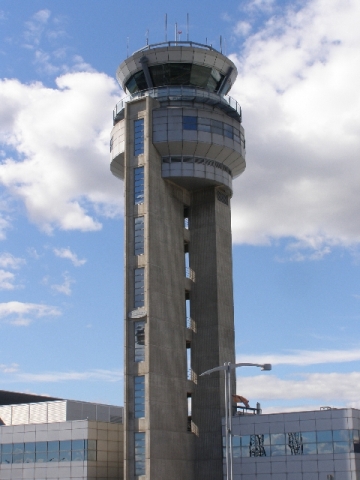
<point x="177" y="143"/>
<point x="316" y="445"/>
<point x="60" y="440"/>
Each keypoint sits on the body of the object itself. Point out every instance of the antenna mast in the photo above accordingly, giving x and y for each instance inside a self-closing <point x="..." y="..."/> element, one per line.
<point x="165" y="27"/>
<point x="187" y="27"/>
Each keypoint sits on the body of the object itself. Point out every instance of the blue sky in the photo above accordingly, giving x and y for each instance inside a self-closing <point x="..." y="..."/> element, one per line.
<point x="296" y="224"/>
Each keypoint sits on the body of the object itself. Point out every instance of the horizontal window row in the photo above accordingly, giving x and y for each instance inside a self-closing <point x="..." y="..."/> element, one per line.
<point x="54" y="451"/>
<point x="211" y="126"/>
<point x="296" y="443"/>
<point x="186" y="160"/>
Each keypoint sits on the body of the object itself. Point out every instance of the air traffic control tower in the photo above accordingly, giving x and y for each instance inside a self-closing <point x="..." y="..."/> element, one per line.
<point x="177" y="143"/>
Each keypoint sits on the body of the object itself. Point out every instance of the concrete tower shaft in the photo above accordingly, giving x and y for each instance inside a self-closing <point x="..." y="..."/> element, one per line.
<point x="177" y="142"/>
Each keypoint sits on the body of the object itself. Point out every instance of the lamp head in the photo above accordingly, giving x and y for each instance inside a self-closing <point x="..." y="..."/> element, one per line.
<point x="266" y="366"/>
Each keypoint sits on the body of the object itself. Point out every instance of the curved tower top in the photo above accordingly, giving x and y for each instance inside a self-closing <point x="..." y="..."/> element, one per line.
<point x="177" y="63"/>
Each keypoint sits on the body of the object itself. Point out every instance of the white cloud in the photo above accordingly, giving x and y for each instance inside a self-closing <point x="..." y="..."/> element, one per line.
<point x="65" y="287"/>
<point x="91" y="375"/>
<point x="6" y="280"/>
<point x="327" y="388"/>
<point x="22" y="314"/>
<point x="61" y="137"/>
<point x="303" y="357"/>
<point x="67" y="253"/>
<point x="242" y="28"/>
<point x="12" y="368"/>
<point x="298" y="86"/>
<point x="7" y="260"/>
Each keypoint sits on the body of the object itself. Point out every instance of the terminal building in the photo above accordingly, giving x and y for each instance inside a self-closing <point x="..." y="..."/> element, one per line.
<point x="50" y="438"/>
<point x="177" y="143"/>
<point x="313" y="445"/>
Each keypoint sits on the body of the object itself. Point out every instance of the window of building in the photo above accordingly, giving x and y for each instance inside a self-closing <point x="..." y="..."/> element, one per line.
<point x="139" y="185"/>
<point x="138" y="137"/>
<point x="189" y="123"/>
<point x="187" y="310"/>
<point x="188" y="361"/>
<point x="186" y="217"/>
<point x="297" y="443"/>
<point x="139" y="328"/>
<point x="139" y="438"/>
<point x="139" y="235"/>
<point x="139" y="297"/>
<point x="48" y="452"/>
<point x="139" y="396"/>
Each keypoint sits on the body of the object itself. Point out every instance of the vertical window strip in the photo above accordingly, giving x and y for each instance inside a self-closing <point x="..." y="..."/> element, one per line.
<point x="139" y="283"/>
<point x="139" y="185"/>
<point x="139" y="396"/>
<point x="138" y="137"/>
<point x="139" y="235"/>
<point x="139" y="438"/>
<point x="139" y="328"/>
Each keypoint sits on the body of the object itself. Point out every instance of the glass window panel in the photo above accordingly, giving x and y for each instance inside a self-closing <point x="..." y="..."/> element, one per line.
<point x="199" y="76"/>
<point x="53" y="446"/>
<point x="204" y="121"/>
<point x="18" y="448"/>
<point x="29" y="457"/>
<point x="41" y="446"/>
<point x="139" y="398"/>
<point x="294" y="443"/>
<point x="204" y="128"/>
<point x="77" y="444"/>
<point x="236" y="452"/>
<point x="355" y="435"/>
<point x="138" y="185"/>
<point x="139" y="438"/>
<point x="6" y="458"/>
<point x="308" y="437"/>
<point x="245" y="452"/>
<point x="266" y="439"/>
<point x="236" y="441"/>
<point x="91" y="455"/>
<point x="41" y="457"/>
<point x="138" y="136"/>
<point x="245" y="440"/>
<point x="91" y="444"/>
<point x="65" y="444"/>
<point x="53" y="456"/>
<point x="325" y="436"/>
<point x="257" y="447"/>
<point x="18" y="458"/>
<point x="341" y="447"/>
<point x="277" y="450"/>
<point x="139" y="328"/>
<point x="139" y="235"/>
<point x="341" y="435"/>
<point x="78" y="455"/>
<point x="325" y="447"/>
<point x="139" y="287"/>
<point x="309" y="449"/>
<point x="136" y="83"/>
<point x="29" y="447"/>
<point x="65" y="456"/>
<point x="278" y="439"/>
<point x="7" y="448"/>
<point x="218" y="131"/>
<point x="189" y="123"/>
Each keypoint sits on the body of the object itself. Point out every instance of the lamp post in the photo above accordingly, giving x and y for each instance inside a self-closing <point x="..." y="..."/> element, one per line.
<point x="227" y="367"/>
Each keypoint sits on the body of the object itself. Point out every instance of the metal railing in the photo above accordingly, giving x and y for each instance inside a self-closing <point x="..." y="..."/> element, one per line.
<point x="189" y="273"/>
<point x="179" y="93"/>
<point x="176" y="43"/>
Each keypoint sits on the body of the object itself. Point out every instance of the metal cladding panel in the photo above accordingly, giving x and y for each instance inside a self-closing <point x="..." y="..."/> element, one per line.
<point x="73" y="410"/>
<point x="20" y="414"/>
<point x="89" y="411"/>
<point x="38" y="413"/>
<point x="102" y="413"/>
<point x="5" y="414"/>
<point x="57" y="411"/>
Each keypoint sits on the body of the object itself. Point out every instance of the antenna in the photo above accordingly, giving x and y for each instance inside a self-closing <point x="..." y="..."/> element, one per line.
<point x="220" y="43"/>
<point x="147" y="37"/>
<point x="165" y="27"/>
<point x="187" y="27"/>
<point x="127" y="47"/>
<point x="175" y="33"/>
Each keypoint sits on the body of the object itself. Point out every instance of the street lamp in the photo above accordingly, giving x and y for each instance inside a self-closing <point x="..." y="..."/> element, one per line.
<point x="227" y="367"/>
